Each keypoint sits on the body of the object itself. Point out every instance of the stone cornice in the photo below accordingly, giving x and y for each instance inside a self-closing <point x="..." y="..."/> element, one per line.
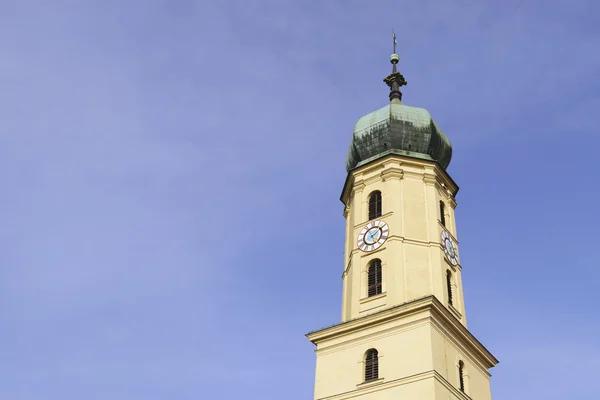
<point x="390" y="159"/>
<point x="371" y="168"/>
<point x="439" y="314"/>
<point x="379" y="334"/>
<point x="443" y="317"/>
<point x="459" y="394"/>
<point x="348" y="183"/>
<point x="418" y="242"/>
<point x="402" y="239"/>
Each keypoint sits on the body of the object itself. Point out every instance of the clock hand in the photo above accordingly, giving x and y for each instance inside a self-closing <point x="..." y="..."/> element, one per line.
<point x="373" y="235"/>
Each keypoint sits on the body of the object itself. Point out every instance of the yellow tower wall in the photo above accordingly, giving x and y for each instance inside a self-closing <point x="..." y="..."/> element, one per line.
<point x="420" y="344"/>
<point x="413" y="261"/>
<point x="420" y="337"/>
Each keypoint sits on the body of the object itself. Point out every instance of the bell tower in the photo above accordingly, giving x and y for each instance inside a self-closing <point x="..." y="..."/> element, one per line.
<point x="403" y="333"/>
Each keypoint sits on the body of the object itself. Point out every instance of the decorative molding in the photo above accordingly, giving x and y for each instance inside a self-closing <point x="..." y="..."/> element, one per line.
<point x="438" y="315"/>
<point x="418" y="242"/>
<point x="412" y="174"/>
<point x="347" y="188"/>
<point x="407" y="163"/>
<point x="392" y="161"/>
<point x="452" y="202"/>
<point x="380" y="218"/>
<point x="392" y="173"/>
<point x="373" y="298"/>
<point x="367" y="388"/>
<point x="372" y="168"/>
<point x="463" y="351"/>
<point x="348" y="266"/>
<point x="367" y="339"/>
<point x="370" y="253"/>
<point x="451" y="307"/>
<point x="369" y="383"/>
<point x="372" y="179"/>
<point x="454" y="390"/>
<point x="430" y="178"/>
<point x="359" y="186"/>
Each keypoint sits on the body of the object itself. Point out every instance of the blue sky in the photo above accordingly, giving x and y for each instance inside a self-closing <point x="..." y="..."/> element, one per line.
<point x="171" y="172"/>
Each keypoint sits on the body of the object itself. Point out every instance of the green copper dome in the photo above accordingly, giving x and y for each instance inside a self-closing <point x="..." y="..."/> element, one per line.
<point x="398" y="129"/>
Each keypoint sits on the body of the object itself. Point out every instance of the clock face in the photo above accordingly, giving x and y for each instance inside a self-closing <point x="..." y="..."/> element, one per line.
<point x="449" y="248"/>
<point x="372" y="236"/>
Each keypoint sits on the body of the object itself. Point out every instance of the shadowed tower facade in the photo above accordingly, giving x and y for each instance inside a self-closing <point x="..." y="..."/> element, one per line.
<point x="404" y="331"/>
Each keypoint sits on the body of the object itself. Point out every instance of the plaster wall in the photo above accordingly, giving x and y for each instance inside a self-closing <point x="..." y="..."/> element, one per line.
<point x="413" y="260"/>
<point x="404" y="350"/>
<point x="420" y="336"/>
<point x="448" y="352"/>
<point x="414" y="354"/>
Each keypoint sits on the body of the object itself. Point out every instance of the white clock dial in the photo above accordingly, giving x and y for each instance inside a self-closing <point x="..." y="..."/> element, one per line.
<point x="449" y="248"/>
<point x="373" y="235"/>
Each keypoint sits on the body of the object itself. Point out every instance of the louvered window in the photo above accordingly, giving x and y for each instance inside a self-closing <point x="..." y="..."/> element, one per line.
<point x="374" y="280"/>
<point x="371" y="365"/>
<point x="375" y="205"/>
<point x="442" y="213"/>
<point x="461" y="376"/>
<point x="449" y="286"/>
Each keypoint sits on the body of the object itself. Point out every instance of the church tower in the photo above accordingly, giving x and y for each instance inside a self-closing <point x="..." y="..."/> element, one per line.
<point x="404" y="331"/>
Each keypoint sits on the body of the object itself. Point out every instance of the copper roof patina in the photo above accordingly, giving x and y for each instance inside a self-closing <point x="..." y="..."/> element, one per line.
<point x="397" y="129"/>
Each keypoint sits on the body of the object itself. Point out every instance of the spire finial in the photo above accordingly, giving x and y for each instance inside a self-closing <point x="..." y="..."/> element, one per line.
<point x="395" y="80"/>
<point x="394" y="57"/>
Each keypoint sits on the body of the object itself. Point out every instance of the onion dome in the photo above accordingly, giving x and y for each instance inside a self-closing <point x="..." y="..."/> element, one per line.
<point x="397" y="129"/>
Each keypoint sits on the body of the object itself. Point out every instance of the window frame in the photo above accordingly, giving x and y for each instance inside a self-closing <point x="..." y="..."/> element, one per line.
<point x="443" y="213"/>
<point x="461" y="376"/>
<point x="375" y="204"/>
<point x="449" y="284"/>
<point x="371" y="370"/>
<point x="375" y="273"/>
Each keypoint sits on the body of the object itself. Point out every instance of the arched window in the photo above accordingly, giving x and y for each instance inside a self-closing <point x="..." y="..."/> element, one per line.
<point x="442" y="213"/>
<point x="449" y="286"/>
<point x="374" y="279"/>
<point x="375" y="205"/>
<point x="461" y="376"/>
<point x="371" y="365"/>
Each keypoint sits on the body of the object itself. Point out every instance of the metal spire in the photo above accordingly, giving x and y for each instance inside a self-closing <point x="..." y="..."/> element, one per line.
<point x="394" y="52"/>
<point x="395" y="80"/>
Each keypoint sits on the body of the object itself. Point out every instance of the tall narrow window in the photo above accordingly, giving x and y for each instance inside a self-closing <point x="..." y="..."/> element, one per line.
<point x="374" y="279"/>
<point x="375" y="205"/>
<point x="371" y="365"/>
<point x="442" y="213"/>
<point x="449" y="286"/>
<point x="461" y="376"/>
